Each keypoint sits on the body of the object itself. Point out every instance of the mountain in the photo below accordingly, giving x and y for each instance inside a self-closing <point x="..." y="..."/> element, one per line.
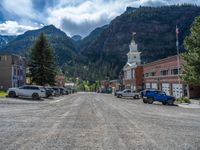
<point x="102" y="54"/>
<point x="155" y="36"/>
<point x="93" y="36"/>
<point x="77" y="38"/>
<point x="63" y="45"/>
<point x="4" y="40"/>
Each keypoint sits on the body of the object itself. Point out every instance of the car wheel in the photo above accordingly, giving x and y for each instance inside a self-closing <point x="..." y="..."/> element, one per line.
<point x="12" y="94"/>
<point x="47" y="95"/>
<point x="119" y="96"/>
<point x="150" y="100"/>
<point x="164" y="103"/>
<point x="145" y="100"/>
<point x="170" y="102"/>
<point x="35" y="96"/>
<point x="136" y="97"/>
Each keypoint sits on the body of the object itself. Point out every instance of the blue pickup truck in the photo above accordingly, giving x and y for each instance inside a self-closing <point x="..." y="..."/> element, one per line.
<point x="151" y="95"/>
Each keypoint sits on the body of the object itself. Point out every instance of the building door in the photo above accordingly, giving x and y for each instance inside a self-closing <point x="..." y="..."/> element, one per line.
<point x="147" y="85"/>
<point x="166" y="88"/>
<point x="177" y="90"/>
<point x="154" y="86"/>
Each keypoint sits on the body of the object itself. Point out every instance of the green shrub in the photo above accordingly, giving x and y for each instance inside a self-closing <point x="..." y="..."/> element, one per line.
<point x="183" y="100"/>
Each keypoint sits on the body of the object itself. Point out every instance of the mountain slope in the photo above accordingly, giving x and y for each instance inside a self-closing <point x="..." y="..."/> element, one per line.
<point x="4" y="40"/>
<point x="155" y="35"/>
<point x="92" y="37"/>
<point x="63" y="45"/>
<point x="77" y="38"/>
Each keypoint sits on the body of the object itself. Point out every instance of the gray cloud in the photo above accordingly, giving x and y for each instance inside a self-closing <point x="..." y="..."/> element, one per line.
<point x="84" y="28"/>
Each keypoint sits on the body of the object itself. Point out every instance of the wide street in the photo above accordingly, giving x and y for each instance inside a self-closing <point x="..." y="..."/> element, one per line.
<point x="90" y="121"/>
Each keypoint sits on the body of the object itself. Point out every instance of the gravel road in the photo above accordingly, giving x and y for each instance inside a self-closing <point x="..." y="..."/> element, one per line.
<point x="90" y="121"/>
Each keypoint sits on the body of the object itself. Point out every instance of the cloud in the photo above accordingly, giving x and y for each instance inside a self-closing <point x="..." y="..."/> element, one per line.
<point x="72" y="16"/>
<point x="21" y="8"/>
<point x="85" y="16"/>
<point x="14" y="28"/>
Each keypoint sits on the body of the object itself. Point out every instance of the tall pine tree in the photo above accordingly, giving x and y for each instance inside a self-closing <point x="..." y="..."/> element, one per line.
<point x="41" y="63"/>
<point x="191" y="68"/>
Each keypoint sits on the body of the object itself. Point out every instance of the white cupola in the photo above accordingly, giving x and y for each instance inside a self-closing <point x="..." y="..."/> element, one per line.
<point x="134" y="54"/>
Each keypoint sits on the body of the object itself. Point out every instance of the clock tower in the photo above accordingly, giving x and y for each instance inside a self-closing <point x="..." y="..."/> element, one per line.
<point x="134" y="54"/>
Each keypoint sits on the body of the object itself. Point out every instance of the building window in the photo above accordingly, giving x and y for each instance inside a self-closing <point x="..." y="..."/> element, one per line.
<point x="3" y="58"/>
<point x="129" y="74"/>
<point x="152" y="74"/>
<point x="164" y="72"/>
<point x="15" y="71"/>
<point x="174" y="71"/>
<point x="146" y="74"/>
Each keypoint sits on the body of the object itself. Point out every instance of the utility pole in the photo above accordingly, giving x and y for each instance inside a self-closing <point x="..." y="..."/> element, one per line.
<point x="178" y="59"/>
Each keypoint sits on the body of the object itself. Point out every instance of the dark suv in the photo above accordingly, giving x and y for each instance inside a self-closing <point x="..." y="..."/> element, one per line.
<point x="151" y="95"/>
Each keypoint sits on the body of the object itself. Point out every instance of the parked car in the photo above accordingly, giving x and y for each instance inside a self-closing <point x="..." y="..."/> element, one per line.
<point x="33" y="91"/>
<point x="115" y="93"/>
<point x="151" y="95"/>
<point x="128" y="93"/>
<point x="69" y="90"/>
<point x="63" y="91"/>
<point x="107" y="90"/>
<point x="49" y="92"/>
<point x="144" y="91"/>
<point x="57" y="91"/>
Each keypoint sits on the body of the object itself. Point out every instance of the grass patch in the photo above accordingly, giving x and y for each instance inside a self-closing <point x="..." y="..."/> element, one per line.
<point x="183" y="100"/>
<point x="3" y="94"/>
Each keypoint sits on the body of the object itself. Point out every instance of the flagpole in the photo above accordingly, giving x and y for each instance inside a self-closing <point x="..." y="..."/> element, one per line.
<point x="178" y="59"/>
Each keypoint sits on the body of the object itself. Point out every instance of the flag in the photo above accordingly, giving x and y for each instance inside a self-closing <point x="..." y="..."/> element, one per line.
<point x="177" y="30"/>
<point x="177" y="33"/>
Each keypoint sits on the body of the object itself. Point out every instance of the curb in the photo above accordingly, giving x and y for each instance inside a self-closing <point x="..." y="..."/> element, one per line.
<point x="186" y="105"/>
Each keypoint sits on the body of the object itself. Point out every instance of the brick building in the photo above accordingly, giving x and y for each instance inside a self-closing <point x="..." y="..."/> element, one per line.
<point x="12" y="71"/>
<point x="163" y="75"/>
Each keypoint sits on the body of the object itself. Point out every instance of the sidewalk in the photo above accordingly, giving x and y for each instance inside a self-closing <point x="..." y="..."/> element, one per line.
<point x="193" y="104"/>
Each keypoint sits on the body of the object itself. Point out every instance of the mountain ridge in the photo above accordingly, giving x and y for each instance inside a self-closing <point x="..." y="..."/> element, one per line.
<point x="102" y="53"/>
<point x="62" y="44"/>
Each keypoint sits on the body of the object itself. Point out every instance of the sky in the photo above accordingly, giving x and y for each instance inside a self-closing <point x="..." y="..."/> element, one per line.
<point x="72" y="16"/>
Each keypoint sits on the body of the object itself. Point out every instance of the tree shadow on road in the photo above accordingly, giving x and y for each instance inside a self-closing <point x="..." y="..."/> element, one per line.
<point x="26" y="99"/>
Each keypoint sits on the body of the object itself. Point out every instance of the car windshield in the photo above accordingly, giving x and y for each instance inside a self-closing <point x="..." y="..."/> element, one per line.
<point x="161" y="93"/>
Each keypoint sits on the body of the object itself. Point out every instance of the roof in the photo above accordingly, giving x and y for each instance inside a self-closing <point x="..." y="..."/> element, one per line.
<point x="161" y="60"/>
<point x="10" y="53"/>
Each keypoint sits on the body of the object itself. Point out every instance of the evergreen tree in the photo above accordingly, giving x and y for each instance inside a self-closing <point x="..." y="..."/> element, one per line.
<point x="42" y="62"/>
<point x="191" y="67"/>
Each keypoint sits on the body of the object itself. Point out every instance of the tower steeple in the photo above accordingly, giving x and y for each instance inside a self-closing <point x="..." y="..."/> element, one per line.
<point x="134" y="54"/>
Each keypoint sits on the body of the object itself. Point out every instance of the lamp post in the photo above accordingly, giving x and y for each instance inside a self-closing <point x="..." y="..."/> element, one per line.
<point x="178" y="60"/>
<point x="121" y="80"/>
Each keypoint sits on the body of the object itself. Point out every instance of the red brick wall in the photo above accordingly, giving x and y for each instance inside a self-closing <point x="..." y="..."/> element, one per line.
<point x="163" y="64"/>
<point x="139" y="77"/>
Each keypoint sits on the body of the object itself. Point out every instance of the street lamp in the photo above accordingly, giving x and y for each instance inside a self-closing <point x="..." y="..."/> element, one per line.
<point x="178" y="60"/>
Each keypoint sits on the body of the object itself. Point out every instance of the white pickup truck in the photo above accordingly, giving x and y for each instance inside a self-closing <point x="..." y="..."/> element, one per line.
<point x="128" y="93"/>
